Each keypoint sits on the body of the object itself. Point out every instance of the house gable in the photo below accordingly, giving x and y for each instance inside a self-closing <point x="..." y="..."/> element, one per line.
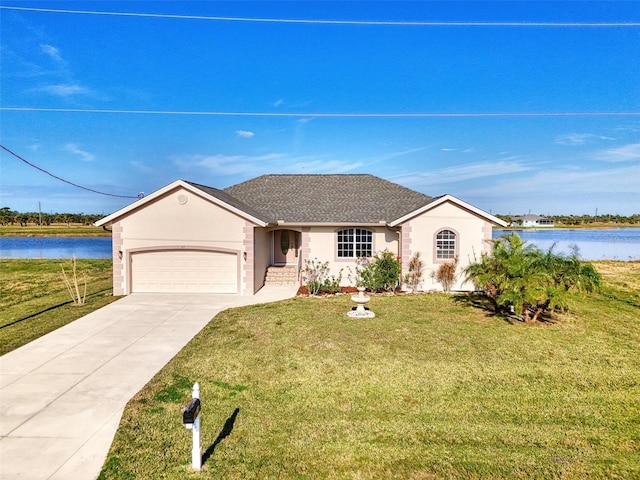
<point x="182" y="239"/>
<point x="205" y="193"/>
<point x="452" y="200"/>
<point x="446" y="223"/>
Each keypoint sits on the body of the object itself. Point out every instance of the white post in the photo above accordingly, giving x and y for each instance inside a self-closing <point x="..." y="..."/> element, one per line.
<point x="196" y="455"/>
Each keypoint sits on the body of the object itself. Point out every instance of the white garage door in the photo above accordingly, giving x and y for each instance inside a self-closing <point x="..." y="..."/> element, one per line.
<point x="183" y="271"/>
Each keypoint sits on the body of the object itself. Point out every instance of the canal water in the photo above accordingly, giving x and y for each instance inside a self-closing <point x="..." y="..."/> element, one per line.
<point x="592" y="244"/>
<point x="55" y="247"/>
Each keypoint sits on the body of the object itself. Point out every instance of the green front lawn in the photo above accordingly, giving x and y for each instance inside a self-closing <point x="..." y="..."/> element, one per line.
<point x="430" y="388"/>
<point x="34" y="300"/>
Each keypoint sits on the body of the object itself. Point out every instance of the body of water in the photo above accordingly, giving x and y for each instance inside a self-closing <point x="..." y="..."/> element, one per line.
<point x="592" y="244"/>
<point x="55" y="247"/>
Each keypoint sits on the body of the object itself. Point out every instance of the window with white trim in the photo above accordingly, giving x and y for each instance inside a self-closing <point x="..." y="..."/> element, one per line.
<point x="446" y="245"/>
<point x="354" y="243"/>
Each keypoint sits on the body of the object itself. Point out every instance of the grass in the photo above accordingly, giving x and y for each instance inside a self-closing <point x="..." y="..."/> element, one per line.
<point x="56" y="230"/>
<point x="622" y="280"/>
<point x="430" y="388"/>
<point x="34" y="300"/>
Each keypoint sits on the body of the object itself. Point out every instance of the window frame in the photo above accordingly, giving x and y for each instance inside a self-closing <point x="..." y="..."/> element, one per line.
<point x="354" y="243"/>
<point x="450" y="251"/>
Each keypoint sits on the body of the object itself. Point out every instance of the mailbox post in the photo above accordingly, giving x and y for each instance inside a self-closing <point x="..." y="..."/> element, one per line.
<point x="191" y="420"/>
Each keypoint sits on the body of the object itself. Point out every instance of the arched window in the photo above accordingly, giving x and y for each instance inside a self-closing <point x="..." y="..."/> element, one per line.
<point x="446" y="247"/>
<point x="354" y="243"/>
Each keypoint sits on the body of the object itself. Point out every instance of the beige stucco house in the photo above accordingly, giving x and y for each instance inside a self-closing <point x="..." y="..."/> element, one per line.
<point x="187" y="237"/>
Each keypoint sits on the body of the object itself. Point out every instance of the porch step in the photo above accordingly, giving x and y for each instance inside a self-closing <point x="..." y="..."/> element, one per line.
<point x="277" y="275"/>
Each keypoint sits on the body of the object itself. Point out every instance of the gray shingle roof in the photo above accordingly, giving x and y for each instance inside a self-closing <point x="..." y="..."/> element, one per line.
<point x="230" y="200"/>
<point x="322" y="198"/>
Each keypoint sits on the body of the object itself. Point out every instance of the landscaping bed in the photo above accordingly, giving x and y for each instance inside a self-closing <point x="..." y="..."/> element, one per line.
<point x="303" y="291"/>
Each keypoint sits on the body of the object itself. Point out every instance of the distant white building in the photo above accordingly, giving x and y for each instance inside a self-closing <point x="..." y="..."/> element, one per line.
<point x="532" y="221"/>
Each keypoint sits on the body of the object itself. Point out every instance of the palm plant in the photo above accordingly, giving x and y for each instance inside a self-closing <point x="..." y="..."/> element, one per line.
<point x="526" y="281"/>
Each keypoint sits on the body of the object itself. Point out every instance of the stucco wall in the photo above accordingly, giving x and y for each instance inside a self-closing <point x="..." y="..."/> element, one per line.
<point x="471" y="229"/>
<point x="322" y="244"/>
<point x="179" y="219"/>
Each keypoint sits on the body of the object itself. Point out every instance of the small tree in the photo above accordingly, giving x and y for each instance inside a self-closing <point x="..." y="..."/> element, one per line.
<point x="446" y="275"/>
<point x="413" y="277"/>
<point x="72" y="283"/>
<point x="527" y="281"/>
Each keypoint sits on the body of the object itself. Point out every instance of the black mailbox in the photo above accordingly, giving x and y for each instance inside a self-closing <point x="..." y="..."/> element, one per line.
<point x="191" y="411"/>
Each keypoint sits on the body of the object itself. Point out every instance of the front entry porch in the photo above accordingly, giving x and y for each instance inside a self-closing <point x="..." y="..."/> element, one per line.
<point x="286" y="247"/>
<point x="285" y="258"/>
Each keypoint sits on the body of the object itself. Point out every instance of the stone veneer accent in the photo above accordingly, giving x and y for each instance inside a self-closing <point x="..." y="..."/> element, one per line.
<point x="405" y="243"/>
<point x="118" y="259"/>
<point x="246" y="271"/>
<point x="305" y="247"/>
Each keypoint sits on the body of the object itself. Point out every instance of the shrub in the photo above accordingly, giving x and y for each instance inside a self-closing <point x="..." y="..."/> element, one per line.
<point x="72" y="284"/>
<point x="446" y="275"/>
<point x="413" y="277"/>
<point x="381" y="272"/>
<point x="318" y="278"/>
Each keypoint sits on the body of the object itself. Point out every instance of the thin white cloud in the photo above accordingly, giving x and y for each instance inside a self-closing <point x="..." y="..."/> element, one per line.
<point x="244" y="133"/>
<point x="580" y="138"/>
<point x="545" y="182"/>
<point x="52" y="52"/>
<point x="461" y="150"/>
<point x="626" y="153"/>
<point x="555" y="190"/>
<point x="65" y="90"/>
<point x="83" y="154"/>
<point x="463" y="173"/>
<point x="323" y="166"/>
<point x="142" y="167"/>
<point x="278" y="102"/>
<point x="219" y="164"/>
<point x="399" y="154"/>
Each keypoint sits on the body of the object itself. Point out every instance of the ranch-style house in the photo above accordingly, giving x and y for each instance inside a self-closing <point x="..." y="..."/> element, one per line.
<point x="187" y="237"/>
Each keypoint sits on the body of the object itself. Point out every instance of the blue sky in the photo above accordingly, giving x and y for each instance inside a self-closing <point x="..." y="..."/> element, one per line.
<point x="70" y="83"/>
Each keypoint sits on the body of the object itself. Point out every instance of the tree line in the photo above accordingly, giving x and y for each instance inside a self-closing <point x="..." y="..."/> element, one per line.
<point x="585" y="219"/>
<point x="11" y="217"/>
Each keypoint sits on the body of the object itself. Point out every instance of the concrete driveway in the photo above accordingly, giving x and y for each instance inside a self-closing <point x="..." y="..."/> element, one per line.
<point x="62" y="396"/>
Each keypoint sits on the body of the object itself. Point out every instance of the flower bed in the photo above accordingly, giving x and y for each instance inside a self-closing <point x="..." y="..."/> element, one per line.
<point x="303" y="291"/>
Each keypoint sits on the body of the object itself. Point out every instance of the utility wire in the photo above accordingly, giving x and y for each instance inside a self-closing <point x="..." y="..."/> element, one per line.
<point x="326" y="115"/>
<point x="62" y="179"/>
<point x="330" y="22"/>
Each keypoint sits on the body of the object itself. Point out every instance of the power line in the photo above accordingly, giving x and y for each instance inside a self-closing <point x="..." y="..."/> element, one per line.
<point x="326" y="114"/>
<point x="329" y="22"/>
<point x="62" y="179"/>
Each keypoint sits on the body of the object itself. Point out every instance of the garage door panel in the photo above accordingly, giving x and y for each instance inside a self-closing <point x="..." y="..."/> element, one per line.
<point x="184" y="271"/>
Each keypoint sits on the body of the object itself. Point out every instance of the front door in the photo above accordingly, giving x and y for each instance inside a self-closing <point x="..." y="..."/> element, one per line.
<point x="285" y="246"/>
